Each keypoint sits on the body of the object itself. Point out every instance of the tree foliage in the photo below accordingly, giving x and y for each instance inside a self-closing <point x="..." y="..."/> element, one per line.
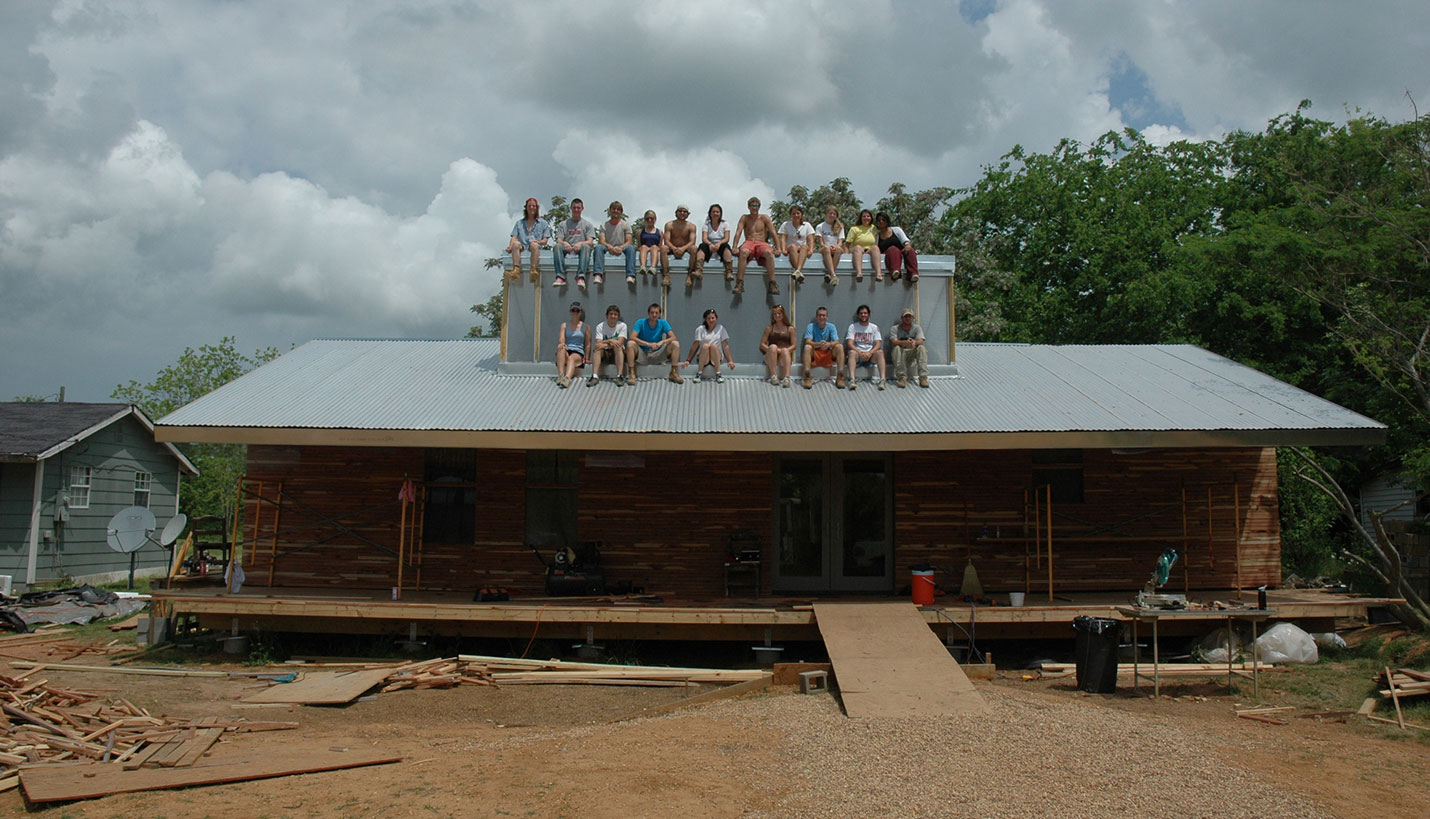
<point x="196" y="373"/>
<point x="1303" y="251"/>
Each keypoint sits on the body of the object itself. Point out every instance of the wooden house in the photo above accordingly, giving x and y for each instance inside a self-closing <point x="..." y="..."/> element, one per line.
<point x="429" y="469"/>
<point x="65" y="469"/>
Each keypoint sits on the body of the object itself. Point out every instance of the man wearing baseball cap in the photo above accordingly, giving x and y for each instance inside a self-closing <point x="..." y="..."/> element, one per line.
<point x="909" y="350"/>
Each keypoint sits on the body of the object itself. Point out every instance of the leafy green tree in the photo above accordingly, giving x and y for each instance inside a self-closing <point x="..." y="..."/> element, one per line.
<point x="196" y="373"/>
<point x="492" y="310"/>
<point x="839" y="193"/>
<point x="915" y="213"/>
<point x="1092" y="239"/>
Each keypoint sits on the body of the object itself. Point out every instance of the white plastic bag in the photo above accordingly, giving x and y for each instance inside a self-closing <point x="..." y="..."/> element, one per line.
<point x="1285" y="643"/>
<point x="1213" y="647"/>
<point x="1329" y="639"/>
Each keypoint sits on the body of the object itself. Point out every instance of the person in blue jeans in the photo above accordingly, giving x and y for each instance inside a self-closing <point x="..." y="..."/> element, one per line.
<point x="614" y="239"/>
<point x="575" y="235"/>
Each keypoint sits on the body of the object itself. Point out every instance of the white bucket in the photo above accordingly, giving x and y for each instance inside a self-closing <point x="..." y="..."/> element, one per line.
<point x="1015" y="598"/>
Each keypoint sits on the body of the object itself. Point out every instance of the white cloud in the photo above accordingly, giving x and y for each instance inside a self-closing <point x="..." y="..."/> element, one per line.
<point x="171" y="172"/>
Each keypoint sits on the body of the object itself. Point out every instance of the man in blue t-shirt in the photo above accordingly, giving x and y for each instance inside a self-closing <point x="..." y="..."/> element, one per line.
<point x="653" y="342"/>
<point x="822" y="348"/>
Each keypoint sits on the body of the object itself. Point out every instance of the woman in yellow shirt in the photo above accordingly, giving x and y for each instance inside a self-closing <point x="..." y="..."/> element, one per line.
<point x="864" y="238"/>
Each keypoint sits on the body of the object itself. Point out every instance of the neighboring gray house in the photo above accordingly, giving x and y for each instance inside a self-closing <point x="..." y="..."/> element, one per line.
<point x="65" y="469"/>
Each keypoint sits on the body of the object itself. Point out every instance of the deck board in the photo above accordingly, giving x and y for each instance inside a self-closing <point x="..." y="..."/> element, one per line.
<point x="888" y="664"/>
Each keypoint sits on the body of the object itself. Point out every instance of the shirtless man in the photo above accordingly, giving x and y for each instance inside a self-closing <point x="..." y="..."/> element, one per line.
<point x="758" y="231"/>
<point x="679" y="238"/>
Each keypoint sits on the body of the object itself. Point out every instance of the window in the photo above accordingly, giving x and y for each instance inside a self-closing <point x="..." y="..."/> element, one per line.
<point x="79" y="486"/>
<point x="1062" y="468"/>
<point x="450" y="513"/>
<point x="142" y="481"/>
<point x="551" y="488"/>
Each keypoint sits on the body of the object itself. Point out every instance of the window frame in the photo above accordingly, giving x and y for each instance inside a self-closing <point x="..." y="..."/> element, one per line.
<point x="79" y="492"/>
<point x="143" y="485"/>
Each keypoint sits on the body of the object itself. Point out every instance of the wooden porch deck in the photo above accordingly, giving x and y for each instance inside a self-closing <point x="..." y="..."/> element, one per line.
<point x="657" y="617"/>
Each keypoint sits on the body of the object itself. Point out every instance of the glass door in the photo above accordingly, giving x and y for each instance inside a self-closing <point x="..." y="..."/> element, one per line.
<point x="801" y="561"/>
<point x="834" y="524"/>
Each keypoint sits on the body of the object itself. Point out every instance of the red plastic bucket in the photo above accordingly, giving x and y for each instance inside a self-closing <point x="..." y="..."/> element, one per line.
<point x="923" y="587"/>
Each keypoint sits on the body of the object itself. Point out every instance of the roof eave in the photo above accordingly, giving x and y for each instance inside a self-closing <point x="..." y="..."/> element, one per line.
<point x="772" y="441"/>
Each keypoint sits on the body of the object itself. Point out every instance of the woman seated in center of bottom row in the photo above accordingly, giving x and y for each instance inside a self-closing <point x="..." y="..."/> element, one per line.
<point x="711" y="341"/>
<point x="777" y="344"/>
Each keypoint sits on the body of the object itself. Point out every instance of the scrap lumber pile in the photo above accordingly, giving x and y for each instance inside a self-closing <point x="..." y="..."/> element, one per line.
<point x="44" y="723"/>
<point x="508" y="671"/>
<point x="1402" y="682"/>
<point x="52" y="644"/>
<point x="338" y="687"/>
<point x="1052" y="671"/>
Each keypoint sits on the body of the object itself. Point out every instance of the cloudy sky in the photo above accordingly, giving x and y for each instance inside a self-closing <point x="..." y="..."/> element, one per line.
<point x="175" y="172"/>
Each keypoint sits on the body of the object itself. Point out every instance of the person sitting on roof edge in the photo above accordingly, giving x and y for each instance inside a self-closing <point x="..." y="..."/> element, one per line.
<point x="866" y="346"/>
<point x="777" y="344"/>
<point x="531" y="234"/>
<point x="610" y="341"/>
<point x="679" y="239"/>
<point x="758" y="231"/>
<point x="573" y="346"/>
<point x="909" y="350"/>
<point x="711" y="341"/>
<point x="614" y="238"/>
<point x="897" y="249"/>
<point x="831" y="244"/>
<point x="652" y="245"/>
<point x="653" y="342"/>
<point x="715" y="242"/>
<point x="823" y="349"/>
<point x="796" y="240"/>
<point x="575" y="235"/>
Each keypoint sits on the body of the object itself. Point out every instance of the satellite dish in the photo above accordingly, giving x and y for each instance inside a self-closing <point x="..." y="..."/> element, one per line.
<point x="173" y="529"/>
<point x="129" y="529"/>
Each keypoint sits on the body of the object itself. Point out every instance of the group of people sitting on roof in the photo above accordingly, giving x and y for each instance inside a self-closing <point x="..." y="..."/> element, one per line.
<point x="649" y="249"/>
<point x="653" y="341"/>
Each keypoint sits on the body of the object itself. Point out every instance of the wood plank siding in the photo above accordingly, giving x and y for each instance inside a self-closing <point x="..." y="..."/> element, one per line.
<point x="664" y="517"/>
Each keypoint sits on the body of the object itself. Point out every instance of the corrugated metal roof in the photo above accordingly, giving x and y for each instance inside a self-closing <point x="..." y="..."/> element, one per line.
<point x="454" y="385"/>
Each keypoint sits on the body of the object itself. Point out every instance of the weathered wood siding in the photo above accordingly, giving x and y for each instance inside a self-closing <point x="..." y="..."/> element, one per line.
<point x="645" y="516"/>
<point x="665" y="518"/>
<point x="1132" y="509"/>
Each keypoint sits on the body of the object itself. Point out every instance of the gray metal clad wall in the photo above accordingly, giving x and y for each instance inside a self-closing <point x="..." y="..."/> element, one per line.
<point x="744" y="316"/>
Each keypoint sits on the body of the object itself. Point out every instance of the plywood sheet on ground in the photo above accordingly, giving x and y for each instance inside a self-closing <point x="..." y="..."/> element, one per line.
<point x="63" y="783"/>
<point x="888" y="663"/>
<point x="323" y="687"/>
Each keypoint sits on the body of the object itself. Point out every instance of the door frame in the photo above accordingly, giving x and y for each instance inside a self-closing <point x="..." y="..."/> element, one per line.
<point x="831" y="577"/>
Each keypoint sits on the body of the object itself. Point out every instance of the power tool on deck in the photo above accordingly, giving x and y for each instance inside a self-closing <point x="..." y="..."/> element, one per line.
<point x="1149" y="597"/>
<point x="574" y="572"/>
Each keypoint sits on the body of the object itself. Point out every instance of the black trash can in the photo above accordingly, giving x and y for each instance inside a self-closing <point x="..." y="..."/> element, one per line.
<point x="1097" y="639"/>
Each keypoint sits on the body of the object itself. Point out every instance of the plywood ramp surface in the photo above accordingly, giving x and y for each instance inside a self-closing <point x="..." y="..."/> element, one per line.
<point x="323" y="687"/>
<point x="888" y="663"/>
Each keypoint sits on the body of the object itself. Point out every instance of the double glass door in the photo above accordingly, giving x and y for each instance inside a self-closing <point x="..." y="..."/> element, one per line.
<point x="834" y="524"/>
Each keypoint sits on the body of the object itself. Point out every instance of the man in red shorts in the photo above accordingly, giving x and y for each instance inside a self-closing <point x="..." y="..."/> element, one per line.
<point x="822" y="348"/>
<point x="758" y="230"/>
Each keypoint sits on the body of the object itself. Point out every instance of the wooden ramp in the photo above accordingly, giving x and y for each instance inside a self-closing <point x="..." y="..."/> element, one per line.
<point x="888" y="663"/>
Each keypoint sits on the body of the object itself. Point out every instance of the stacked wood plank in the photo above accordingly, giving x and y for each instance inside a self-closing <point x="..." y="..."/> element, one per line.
<point x="509" y="671"/>
<point x="1051" y="671"/>
<point x="1403" y="682"/>
<point x="338" y="687"/>
<point x="54" y="644"/>
<point x="44" y="723"/>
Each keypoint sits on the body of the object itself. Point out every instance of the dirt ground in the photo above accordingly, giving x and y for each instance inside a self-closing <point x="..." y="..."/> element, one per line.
<point x="564" y="751"/>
